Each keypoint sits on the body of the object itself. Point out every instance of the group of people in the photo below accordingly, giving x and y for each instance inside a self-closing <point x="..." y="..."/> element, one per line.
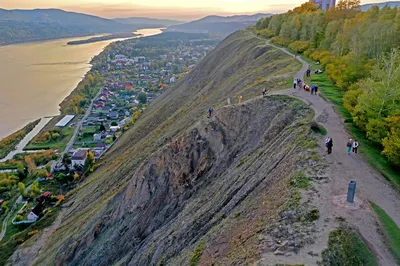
<point x="351" y="145"/>
<point x="299" y="83"/>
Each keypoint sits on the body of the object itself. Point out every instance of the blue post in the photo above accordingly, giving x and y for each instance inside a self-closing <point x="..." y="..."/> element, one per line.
<point x="352" y="191"/>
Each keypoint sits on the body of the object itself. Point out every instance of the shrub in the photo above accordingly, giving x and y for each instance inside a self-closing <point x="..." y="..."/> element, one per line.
<point x="299" y="46"/>
<point x="280" y="41"/>
<point x="34" y="232"/>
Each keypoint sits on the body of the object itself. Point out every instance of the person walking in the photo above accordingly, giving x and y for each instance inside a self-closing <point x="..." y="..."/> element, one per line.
<point x="240" y="98"/>
<point x="312" y="88"/>
<point x="299" y="83"/>
<point x="264" y="92"/>
<point x="316" y="89"/>
<point x="294" y="83"/>
<point x="355" y="146"/>
<point x="329" y="145"/>
<point x="349" y="146"/>
<point x="229" y="101"/>
<point x="210" y="112"/>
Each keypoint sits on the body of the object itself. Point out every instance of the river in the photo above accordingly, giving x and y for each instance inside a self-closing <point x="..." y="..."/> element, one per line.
<point x="36" y="77"/>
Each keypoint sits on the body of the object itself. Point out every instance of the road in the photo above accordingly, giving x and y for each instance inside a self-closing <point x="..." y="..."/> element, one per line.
<point x="341" y="168"/>
<point x="79" y="124"/>
<point x="21" y="145"/>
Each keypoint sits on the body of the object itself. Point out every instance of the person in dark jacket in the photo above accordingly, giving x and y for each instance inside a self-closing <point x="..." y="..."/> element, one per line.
<point x="329" y="145"/>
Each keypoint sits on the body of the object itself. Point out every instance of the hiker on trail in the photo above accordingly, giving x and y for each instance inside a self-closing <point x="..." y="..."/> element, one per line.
<point x="229" y="101"/>
<point x="264" y="92"/>
<point x="210" y="112"/>
<point x="240" y="98"/>
<point x="328" y="144"/>
<point x="294" y="83"/>
<point x="349" y="146"/>
<point x="355" y="146"/>
<point x="312" y="89"/>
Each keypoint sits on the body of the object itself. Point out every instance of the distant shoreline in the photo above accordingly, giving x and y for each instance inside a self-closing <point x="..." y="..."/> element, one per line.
<point x="105" y="38"/>
<point x="71" y="36"/>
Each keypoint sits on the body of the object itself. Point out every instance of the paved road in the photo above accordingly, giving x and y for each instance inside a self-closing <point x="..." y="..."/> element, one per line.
<point x="79" y="124"/>
<point x="342" y="168"/>
<point x="21" y="145"/>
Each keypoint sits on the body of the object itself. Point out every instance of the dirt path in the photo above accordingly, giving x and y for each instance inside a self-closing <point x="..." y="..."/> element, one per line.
<point x="342" y="168"/>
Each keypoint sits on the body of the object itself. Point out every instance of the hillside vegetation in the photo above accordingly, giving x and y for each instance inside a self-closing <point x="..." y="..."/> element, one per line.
<point x="180" y="188"/>
<point x="358" y="52"/>
<point x="43" y="24"/>
<point x="218" y="24"/>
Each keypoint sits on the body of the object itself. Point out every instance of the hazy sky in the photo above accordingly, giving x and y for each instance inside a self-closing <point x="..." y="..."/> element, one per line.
<point x="175" y="9"/>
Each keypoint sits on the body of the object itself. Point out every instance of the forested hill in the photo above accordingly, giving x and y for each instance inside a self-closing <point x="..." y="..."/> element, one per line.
<point x="42" y="24"/>
<point x="347" y="43"/>
<point x="218" y="24"/>
<point x="381" y="5"/>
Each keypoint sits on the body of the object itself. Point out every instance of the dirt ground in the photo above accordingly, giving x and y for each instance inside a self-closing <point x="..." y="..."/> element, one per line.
<point x="341" y="168"/>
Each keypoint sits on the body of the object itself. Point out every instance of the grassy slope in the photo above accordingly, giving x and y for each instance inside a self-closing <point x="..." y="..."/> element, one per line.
<point x="391" y="230"/>
<point x="241" y="65"/>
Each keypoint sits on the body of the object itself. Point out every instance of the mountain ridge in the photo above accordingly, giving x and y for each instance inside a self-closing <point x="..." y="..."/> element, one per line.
<point x="19" y="25"/>
<point x="219" y="24"/>
<point x="391" y="4"/>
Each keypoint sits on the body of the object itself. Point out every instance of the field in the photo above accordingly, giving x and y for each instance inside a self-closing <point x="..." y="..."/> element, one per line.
<point x="59" y="144"/>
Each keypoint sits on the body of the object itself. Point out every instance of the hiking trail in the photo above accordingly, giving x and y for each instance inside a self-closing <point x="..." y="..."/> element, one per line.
<point x="341" y="168"/>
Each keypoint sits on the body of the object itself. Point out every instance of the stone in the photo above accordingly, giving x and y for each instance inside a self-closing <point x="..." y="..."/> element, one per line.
<point x="279" y="253"/>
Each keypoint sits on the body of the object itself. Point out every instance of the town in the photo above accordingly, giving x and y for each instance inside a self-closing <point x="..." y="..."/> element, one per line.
<point x="125" y="78"/>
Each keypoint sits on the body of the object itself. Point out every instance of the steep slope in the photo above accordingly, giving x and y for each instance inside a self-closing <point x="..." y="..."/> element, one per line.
<point x="178" y="179"/>
<point x="218" y="24"/>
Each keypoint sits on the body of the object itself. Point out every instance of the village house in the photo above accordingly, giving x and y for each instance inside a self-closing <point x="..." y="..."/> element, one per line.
<point x="113" y="115"/>
<point x="79" y="157"/>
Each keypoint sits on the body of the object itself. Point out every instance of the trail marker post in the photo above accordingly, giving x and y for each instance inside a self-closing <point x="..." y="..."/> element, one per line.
<point x="351" y="191"/>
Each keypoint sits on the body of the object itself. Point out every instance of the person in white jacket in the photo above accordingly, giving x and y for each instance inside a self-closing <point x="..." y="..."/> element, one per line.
<point x="355" y="146"/>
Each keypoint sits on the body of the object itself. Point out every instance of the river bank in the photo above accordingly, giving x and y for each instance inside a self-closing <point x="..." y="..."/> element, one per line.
<point x="38" y="76"/>
<point x="66" y="95"/>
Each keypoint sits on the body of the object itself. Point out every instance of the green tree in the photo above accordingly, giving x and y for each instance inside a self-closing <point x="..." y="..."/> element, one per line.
<point x="22" y="189"/>
<point x="89" y="163"/>
<point x="34" y="190"/>
<point x="142" y="98"/>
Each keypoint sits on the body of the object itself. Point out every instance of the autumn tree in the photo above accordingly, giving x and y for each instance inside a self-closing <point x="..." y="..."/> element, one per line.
<point x="22" y="189"/>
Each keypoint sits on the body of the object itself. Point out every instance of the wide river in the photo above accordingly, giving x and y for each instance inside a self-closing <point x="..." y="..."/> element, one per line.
<point x="36" y="77"/>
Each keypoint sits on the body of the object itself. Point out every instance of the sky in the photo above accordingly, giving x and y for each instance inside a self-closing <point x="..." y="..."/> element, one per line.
<point x="172" y="9"/>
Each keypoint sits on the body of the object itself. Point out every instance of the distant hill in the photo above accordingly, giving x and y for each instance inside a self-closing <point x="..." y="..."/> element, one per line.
<point x="381" y="5"/>
<point x="42" y="24"/>
<point x="148" y="21"/>
<point x="218" y="24"/>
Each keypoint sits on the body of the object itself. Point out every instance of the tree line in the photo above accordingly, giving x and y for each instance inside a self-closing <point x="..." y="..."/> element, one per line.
<point x="359" y="52"/>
